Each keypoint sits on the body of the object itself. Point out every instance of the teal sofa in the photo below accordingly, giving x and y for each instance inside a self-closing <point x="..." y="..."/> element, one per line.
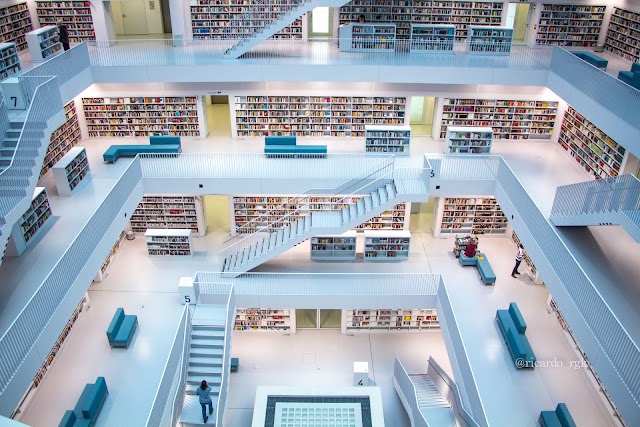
<point x="481" y="262"/>
<point x="286" y="146"/>
<point x="88" y="406"/>
<point x="592" y="59"/>
<point x="513" y="328"/>
<point x="632" y="78"/>
<point x="561" y="417"/>
<point x="158" y="144"/>
<point x="121" y="329"/>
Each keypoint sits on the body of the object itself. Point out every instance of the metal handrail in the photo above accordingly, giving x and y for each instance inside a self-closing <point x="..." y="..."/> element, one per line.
<point x="226" y="360"/>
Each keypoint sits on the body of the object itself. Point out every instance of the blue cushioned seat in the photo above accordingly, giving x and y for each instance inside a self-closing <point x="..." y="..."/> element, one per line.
<point x="517" y="343"/>
<point x="465" y="260"/>
<point x="115" y="151"/>
<point x="635" y="67"/>
<point x="279" y="140"/>
<point x="311" y="149"/>
<point x="564" y="415"/>
<point x="592" y="58"/>
<point x="68" y="420"/>
<point x="164" y="140"/>
<point x="235" y="362"/>
<point x="121" y="329"/>
<point x="631" y="78"/>
<point x="516" y="317"/>
<point x="549" y="419"/>
<point x="279" y="149"/>
<point x="486" y="272"/>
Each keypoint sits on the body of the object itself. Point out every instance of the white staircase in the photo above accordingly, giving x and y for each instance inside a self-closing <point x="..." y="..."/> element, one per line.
<point x="245" y="253"/>
<point x="278" y="24"/>
<point x="8" y="147"/>
<point x="205" y="363"/>
<point x="434" y="407"/>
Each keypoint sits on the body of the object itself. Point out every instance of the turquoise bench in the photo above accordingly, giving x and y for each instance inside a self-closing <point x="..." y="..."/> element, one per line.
<point x="513" y="328"/>
<point x="481" y="262"/>
<point x="632" y="78"/>
<point x="561" y="417"/>
<point x="286" y="146"/>
<point x="88" y="406"/>
<point x="592" y="59"/>
<point x="159" y="144"/>
<point x="235" y="362"/>
<point x="121" y="329"/>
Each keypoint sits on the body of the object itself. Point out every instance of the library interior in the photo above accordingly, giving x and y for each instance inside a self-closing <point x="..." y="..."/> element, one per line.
<point x="356" y="213"/>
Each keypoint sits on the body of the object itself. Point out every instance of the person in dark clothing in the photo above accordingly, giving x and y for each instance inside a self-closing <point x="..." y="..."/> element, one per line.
<point x="519" y="257"/>
<point x="470" y="250"/>
<point x="204" y="398"/>
<point x="64" y="34"/>
<point x="361" y="19"/>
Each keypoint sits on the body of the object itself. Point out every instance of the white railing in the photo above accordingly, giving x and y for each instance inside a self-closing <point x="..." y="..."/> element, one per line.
<point x="407" y="390"/>
<point x="221" y="407"/>
<point x="459" y="358"/>
<point x="460" y="167"/>
<point x="599" y="196"/>
<point x="162" y="409"/>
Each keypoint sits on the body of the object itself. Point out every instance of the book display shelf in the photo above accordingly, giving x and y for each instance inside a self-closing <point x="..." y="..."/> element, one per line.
<point x="58" y="345"/>
<point x="460" y="245"/>
<point x="71" y="170"/>
<point x="596" y="152"/>
<point x="510" y="119"/>
<point x="249" y="213"/>
<point x="335" y="116"/>
<point x="469" y="140"/>
<point x="389" y="320"/>
<point x="169" y="212"/>
<point x="356" y="37"/>
<point x="532" y="268"/>
<point x="163" y="242"/>
<point x="404" y="13"/>
<point x="489" y="40"/>
<point x="386" y="245"/>
<point x="76" y="15"/>
<point x="43" y="43"/>
<point x="387" y="140"/>
<point x="432" y="38"/>
<point x="9" y="61"/>
<point x="570" y="24"/>
<point x="62" y="139"/>
<point x="623" y="34"/>
<point x="15" y="23"/>
<point x="470" y="215"/>
<point x="265" y="320"/>
<point x="142" y="116"/>
<point x="109" y="259"/>
<point x="33" y="223"/>
<point x="334" y="248"/>
<point x="233" y="19"/>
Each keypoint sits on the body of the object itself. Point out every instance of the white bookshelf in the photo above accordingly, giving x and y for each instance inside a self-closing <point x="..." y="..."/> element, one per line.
<point x="169" y="212"/>
<point x="593" y="149"/>
<point x="386" y="245"/>
<point x="264" y="210"/>
<point x="43" y="43"/>
<point x="101" y="274"/>
<point x="403" y="14"/>
<point x="489" y="40"/>
<point x="76" y="15"/>
<point x="71" y="171"/>
<point x="510" y="119"/>
<point x="389" y="320"/>
<point x="570" y="24"/>
<point x="62" y="139"/>
<point x="356" y="37"/>
<point x="316" y="116"/>
<point x="334" y="248"/>
<point x="142" y="116"/>
<point x="272" y="320"/>
<point x="33" y="223"/>
<point x="432" y="38"/>
<point x="387" y="140"/>
<point x="469" y="140"/>
<point x="168" y="242"/>
<point x="470" y="215"/>
<point x="15" y="23"/>
<point x="9" y="60"/>
<point x="232" y="19"/>
<point x="623" y="34"/>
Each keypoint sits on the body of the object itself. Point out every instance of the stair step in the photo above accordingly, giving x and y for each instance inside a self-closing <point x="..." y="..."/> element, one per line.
<point x="272" y="240"/>
<point x="215" y="389"/>
<point x="307" y="223"/>
<point x="205" y="361"/>
<point x="391" y="191"/>
<point x="207" y="333"/>
<point x="360" y="206"/>
<point x="345" y="215"/>
<point x="368" y="203"/>
<point x="204" y="371"/>
<point x="208" y="343"/>
<point x="353" y="211"/>
<point x="212" y="379"/>
<point x="205" y="351"/>
<point x="376" y="199"/>
<point x="382" y="193"/>
<point x="16" y="124"/>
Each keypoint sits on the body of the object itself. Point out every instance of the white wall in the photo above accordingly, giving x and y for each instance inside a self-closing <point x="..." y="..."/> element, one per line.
<point x="154" y="17"/>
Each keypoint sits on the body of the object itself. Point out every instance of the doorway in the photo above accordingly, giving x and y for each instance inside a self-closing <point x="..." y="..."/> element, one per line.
<point x="518" y="19"/>
<point x="318" y="318"/>
<point x="320" y="22"/>
<point x="421" y="114"/>
<point x="140" y="18"/>
<point x="218" y="115"/>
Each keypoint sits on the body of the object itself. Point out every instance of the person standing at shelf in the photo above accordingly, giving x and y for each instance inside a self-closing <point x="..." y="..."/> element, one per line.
<point x="204" y="397"/>
<point x="64" y="34"/>
<point x="470" y="250"/>
<point x="361" y="19"/>
<point x="519" y="257"/>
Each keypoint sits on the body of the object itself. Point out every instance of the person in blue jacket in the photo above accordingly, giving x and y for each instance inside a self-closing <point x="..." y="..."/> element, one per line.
<point x="204" y="396"/>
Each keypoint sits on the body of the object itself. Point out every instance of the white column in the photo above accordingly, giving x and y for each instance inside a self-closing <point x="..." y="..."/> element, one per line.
<point x="181" y="21"/>
<point x="102" y="20"/>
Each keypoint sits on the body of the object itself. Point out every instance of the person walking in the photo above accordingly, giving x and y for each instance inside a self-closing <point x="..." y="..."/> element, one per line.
<point x="519" y="257"/>
<point x="64" y="35"/>
<point x="204" y="397"/>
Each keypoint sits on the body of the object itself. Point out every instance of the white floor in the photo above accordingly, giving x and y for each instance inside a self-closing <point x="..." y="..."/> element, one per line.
<point x="148" y="287"/>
